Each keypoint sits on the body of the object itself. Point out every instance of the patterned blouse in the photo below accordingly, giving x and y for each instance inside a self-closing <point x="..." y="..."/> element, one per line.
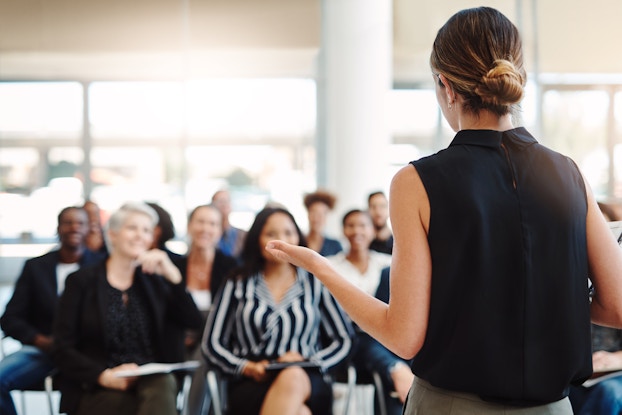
<point x="247" y="324"/>
<point x="129" y="327"/>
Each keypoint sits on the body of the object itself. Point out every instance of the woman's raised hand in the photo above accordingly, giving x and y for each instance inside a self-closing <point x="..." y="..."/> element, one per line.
<point x="156" y="261"/>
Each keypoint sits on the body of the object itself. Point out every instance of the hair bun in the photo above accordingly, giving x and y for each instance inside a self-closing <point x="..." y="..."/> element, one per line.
<point x="502" y="85"/>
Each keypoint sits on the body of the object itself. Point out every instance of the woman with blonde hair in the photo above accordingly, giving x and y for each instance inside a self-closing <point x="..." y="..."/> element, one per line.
<point x="494" y="240"/>
<point x="118" y="315"/>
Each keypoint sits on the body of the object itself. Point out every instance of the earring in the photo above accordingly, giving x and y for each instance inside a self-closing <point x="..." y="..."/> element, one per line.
<point x="449" y="106"/>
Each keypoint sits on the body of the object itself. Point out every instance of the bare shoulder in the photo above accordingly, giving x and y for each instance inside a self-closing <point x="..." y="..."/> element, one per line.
<point x="407" y="178"/>
<point x="408" y="194"/>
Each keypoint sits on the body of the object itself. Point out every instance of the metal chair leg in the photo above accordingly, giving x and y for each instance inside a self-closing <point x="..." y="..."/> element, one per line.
<point x="214" y="390"/>
<point x="380" y="393"/>
<point x="350" y="390"/>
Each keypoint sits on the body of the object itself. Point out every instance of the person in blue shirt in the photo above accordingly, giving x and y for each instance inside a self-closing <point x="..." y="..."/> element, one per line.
<point x="604" y="397"/>
<point x="232" y="238"/>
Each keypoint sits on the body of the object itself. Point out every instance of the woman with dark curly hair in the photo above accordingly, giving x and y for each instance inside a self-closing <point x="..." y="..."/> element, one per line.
<point x="318" y="205"/>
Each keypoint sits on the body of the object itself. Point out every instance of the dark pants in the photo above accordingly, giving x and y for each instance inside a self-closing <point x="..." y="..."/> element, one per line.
<point x="152" y="395"/>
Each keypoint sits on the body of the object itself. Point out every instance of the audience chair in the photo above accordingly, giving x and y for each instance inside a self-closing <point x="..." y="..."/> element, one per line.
<point x="183" y="396"/>
<point x="47" y="386"/>
<point x="217" y="392"/>
<point x="353" y="377"/>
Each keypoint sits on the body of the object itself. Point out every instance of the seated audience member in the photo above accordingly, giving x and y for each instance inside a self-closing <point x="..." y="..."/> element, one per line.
<point x="319" y="204"/>
<point x="272" y="311"/>
<point x="114" y="317"/>
<point x="604" y="397"/>
<point x="232" y="238"/>
<point x="378" y="207"/>
<point x="95" y="237"/>
<point x="369" y="271"/>
<point x="164" y="231"/>
<point x="204" y="268"/>
<point x="30" y="312"/>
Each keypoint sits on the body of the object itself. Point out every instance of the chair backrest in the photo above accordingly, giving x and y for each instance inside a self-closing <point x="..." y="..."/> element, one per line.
<point x="355" y="378"/>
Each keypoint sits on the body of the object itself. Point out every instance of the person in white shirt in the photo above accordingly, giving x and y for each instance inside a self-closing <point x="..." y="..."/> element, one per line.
<point x="364" y="268"/>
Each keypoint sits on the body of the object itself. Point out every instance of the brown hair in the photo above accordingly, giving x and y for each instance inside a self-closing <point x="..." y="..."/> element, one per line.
<point x="322" y="196"/>
<point x="480" y="53"/>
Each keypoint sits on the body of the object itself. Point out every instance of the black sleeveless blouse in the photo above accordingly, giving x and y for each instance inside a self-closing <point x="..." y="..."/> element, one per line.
<point x="509" y="315"/>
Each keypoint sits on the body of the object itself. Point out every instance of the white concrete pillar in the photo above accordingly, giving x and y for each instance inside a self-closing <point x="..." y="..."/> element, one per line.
<point x="354" y="76"/>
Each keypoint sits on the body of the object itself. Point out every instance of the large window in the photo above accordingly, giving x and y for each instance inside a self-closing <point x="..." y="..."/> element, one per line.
<point x="41" y="109"/>
<point x="176" y="143"/>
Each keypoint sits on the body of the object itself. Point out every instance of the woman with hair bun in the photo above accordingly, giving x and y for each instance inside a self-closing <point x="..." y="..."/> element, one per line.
<point x="494" y="238"/>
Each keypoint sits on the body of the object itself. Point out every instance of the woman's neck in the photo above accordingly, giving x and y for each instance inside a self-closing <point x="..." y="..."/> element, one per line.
<point x="359" y="257"/>
<point x="199" y="270"/>
<point x="484" y="120"/>
<point x="279" y="277"/>
<point x="279" y="271"/>
<point x="201" y="256"/>
<point x="120" y="271"/>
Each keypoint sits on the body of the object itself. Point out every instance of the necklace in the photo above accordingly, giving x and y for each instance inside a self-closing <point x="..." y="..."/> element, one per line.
<point x="198" y="276"/>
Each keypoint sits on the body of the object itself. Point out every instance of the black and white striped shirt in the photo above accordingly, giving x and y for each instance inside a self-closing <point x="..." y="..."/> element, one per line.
<point x="247" y="325"/>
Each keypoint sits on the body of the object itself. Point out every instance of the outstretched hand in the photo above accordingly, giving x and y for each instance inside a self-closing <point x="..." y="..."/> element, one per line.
<point x="299" y="256"/>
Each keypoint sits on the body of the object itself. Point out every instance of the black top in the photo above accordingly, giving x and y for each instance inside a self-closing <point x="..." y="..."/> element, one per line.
<point x="221" y="268"/>
<point x="129" y="326"/>
<point x="81" y="340"/>
<point x="32" y="307"/>
<point x="382" y="245"/>
<point x="509" y="313"/>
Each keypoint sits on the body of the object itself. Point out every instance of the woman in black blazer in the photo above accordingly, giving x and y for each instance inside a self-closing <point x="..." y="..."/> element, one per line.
<point x="119" y="315"/>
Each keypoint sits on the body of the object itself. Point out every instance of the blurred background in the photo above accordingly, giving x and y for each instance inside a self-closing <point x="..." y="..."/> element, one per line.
<point x="170" y="100"/>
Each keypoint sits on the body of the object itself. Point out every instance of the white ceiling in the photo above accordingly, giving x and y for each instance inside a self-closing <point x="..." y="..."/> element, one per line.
<point x="170" y="39"/>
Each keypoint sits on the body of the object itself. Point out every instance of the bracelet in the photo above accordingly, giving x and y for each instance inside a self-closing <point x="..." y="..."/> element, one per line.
<point x="397" y="365"/>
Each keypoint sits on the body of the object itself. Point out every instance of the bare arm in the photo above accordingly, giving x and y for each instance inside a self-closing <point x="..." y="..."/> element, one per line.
<point x="400" y="325"/>
<point x="605" y="261"/>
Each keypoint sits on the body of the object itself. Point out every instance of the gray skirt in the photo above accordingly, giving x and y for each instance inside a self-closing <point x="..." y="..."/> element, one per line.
<point x="425" y="399"/>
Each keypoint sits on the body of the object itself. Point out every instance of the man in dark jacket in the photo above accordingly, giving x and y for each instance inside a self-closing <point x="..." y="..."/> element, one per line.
<point x="30" y="312"/>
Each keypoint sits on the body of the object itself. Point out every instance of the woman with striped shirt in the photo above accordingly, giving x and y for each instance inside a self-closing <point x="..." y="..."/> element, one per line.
<point x="274" y="312"/>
